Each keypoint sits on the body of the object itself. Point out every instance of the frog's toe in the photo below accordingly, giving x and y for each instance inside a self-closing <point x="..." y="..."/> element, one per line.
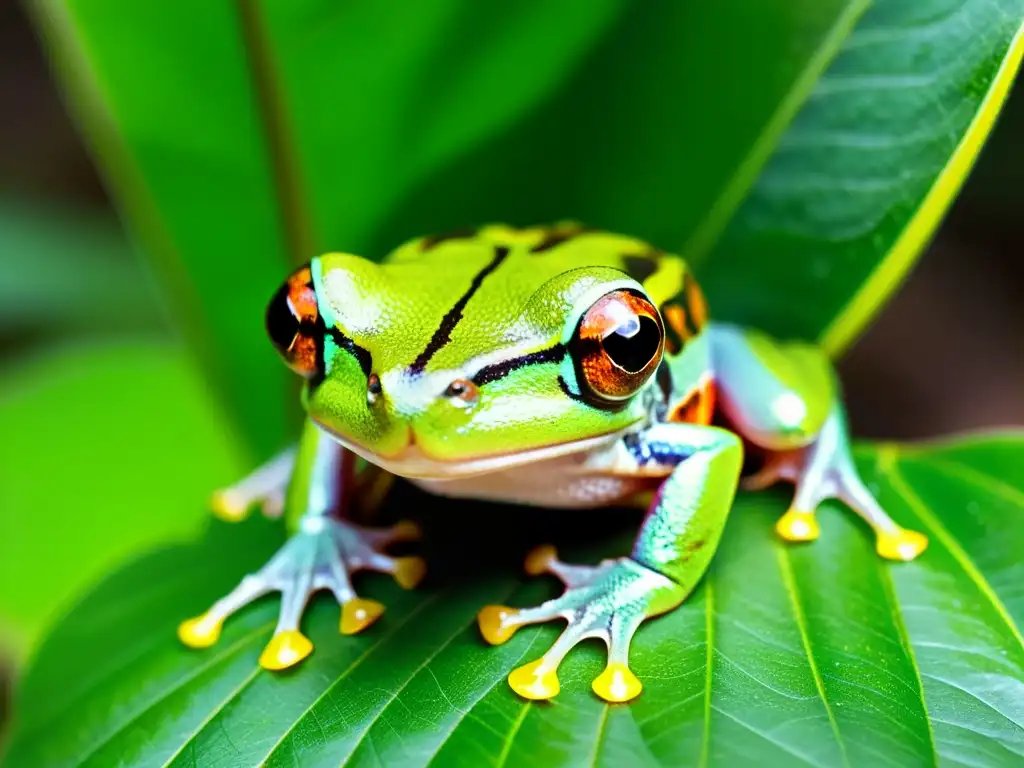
<point x="617" y="684"/>
<point x="357" y="614"/>
<point x="833" y="476"/>
<point x="265" y="487"/>
<point x="200" y="632"/>
<point x="797" y="525"/>
<point x="272" y="505"/>
<point x="408" y="572"/>
<point x="229" y="505"/>
<point x="779" y="466"/>
<point x="322" y="554"/>
<point x="900" y="544"/>
<point x="608" y="601"/>
<point x="285" y="649"/>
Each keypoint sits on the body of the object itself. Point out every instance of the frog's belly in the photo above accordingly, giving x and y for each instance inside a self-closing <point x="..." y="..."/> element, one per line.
<point x="548" y="484"/>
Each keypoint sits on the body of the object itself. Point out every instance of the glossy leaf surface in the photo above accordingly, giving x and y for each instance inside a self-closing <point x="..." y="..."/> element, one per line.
<point x="98" y="464"/>
<point x="284" y="129"/>
<point x="818" y="654"/>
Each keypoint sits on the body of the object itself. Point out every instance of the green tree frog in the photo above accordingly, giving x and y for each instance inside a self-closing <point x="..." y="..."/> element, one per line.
<point x="556" y="366"/>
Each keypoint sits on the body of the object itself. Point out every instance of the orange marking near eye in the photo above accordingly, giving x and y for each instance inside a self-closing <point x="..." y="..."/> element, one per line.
<point x="698" y="407"/>
<point x="301" y="296"/>
<point x="698" y="306"/>
<point x="675" y="316"/>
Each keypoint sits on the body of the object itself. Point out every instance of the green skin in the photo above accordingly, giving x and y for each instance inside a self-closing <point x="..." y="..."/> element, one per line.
<point x="500" y="308"/>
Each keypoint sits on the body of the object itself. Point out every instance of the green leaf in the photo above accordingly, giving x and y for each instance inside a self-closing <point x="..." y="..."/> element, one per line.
<point x="863" y="175"/>
<point x="820" y="654"/>
<point x="83" y="487"/>
<point x="68" y="272"/>
<point x="272" y="131"/>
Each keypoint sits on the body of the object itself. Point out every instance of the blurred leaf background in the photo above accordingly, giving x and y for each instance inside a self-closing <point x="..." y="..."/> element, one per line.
<point x="91" y="356"/>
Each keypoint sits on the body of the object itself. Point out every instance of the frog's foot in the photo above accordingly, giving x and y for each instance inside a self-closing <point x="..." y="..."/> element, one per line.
<point x="264" y="487"/>
<point x="819" y="476"/>
<point x="608" y="601"/>
<point x="322" y="554"/>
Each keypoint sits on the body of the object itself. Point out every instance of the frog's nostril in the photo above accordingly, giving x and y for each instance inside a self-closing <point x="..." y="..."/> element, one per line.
<point x="462" y="392"/>
<point x="373" y="388"/>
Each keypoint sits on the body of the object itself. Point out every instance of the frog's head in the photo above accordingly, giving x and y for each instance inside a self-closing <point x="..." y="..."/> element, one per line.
<point x="488" y="362"/>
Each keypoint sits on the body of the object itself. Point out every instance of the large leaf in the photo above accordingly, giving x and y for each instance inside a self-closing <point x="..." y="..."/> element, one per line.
<point x="82" y="488"/>
<point x="817" y="654"/>
<point x="240" y="137"/>
<point x="864" y="174"/>
<point x="71" y="272"/>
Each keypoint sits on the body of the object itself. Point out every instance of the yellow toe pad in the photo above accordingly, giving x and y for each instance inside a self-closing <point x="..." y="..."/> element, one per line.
<point x="357" y="614"/>
<point x="617" y="684"/>
<point x="901" y="544"/>
<point x="798" y="526"/>
<point x="407" y="530"/>
<point x="285" y="649"/>
<point x="200" y="632"/>
<point x="491" y="620"/>
<point x="535" y="680"/>
<point x="409" y="571"/>
<point x="539" y="558"/>
<point x="228" y="507"/>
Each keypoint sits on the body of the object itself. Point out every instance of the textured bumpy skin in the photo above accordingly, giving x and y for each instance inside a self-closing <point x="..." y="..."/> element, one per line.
<point x="552" y="365"/>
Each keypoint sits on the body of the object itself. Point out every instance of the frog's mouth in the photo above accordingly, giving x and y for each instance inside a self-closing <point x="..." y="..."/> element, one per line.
<point x="412" y="462"/>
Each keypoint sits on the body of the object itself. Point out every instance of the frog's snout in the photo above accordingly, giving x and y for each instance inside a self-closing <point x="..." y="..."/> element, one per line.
<point x="412" y="396"/>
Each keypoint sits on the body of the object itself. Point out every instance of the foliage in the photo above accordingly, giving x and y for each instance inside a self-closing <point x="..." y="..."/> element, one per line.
<point x="798" y="154"/>
<point x="820" y="654"/>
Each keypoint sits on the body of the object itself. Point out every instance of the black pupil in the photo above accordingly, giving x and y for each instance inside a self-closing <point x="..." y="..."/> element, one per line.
<point x="282" y="325"/>
<point x="633" y="353"/>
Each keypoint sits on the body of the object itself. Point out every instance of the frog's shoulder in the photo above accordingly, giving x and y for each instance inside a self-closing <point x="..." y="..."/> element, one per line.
<point x="552" y="248"/>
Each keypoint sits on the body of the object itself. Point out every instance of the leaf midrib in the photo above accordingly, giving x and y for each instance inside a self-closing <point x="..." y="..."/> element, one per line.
<point x="700" y="245"/>
<point x="792" y="591"/>
<point x="917" y="505"/>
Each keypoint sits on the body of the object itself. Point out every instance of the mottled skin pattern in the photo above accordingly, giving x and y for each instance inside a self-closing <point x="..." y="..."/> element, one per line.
<point x="554" y="365"/>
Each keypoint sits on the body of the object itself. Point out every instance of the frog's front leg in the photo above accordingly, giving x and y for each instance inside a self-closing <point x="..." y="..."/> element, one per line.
<point x="265" y="486"/>
<point x="321" y="554"/>
<point x="785" y="399"/>
<point x="673" y="548"/>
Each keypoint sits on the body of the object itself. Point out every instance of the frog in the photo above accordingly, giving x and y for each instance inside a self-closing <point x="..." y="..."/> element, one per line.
<point x="558" y="366"/>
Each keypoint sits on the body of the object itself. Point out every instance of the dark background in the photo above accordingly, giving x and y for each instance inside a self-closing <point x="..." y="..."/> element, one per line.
<point x="945" y="355"/>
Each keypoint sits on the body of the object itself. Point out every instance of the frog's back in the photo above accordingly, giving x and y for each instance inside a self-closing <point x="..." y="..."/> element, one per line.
<point x="535" y="255"/>
<point x="497" y="288"/>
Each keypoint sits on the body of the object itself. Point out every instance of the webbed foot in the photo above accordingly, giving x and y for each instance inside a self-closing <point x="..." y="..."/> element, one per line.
<point x="322" y="554"/>
<point x="609" y="601"/>
<point x="822" y="471"/>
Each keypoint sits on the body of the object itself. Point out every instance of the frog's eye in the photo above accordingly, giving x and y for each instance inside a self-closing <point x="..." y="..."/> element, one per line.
<point x="293" y="324"/>
<point x="617" y="345"/>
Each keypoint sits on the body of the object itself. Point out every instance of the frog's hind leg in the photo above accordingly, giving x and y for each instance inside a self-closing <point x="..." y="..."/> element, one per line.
<point x="265" y="486"/>
<point x="785" y="399"/>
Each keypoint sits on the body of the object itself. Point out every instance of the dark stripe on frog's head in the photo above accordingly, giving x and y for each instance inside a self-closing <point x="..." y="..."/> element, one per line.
<point x="443" y="334"/>
<point x="500" y="370"/>
<point x="361" y="354"/>
<point x="684" y="314"/>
